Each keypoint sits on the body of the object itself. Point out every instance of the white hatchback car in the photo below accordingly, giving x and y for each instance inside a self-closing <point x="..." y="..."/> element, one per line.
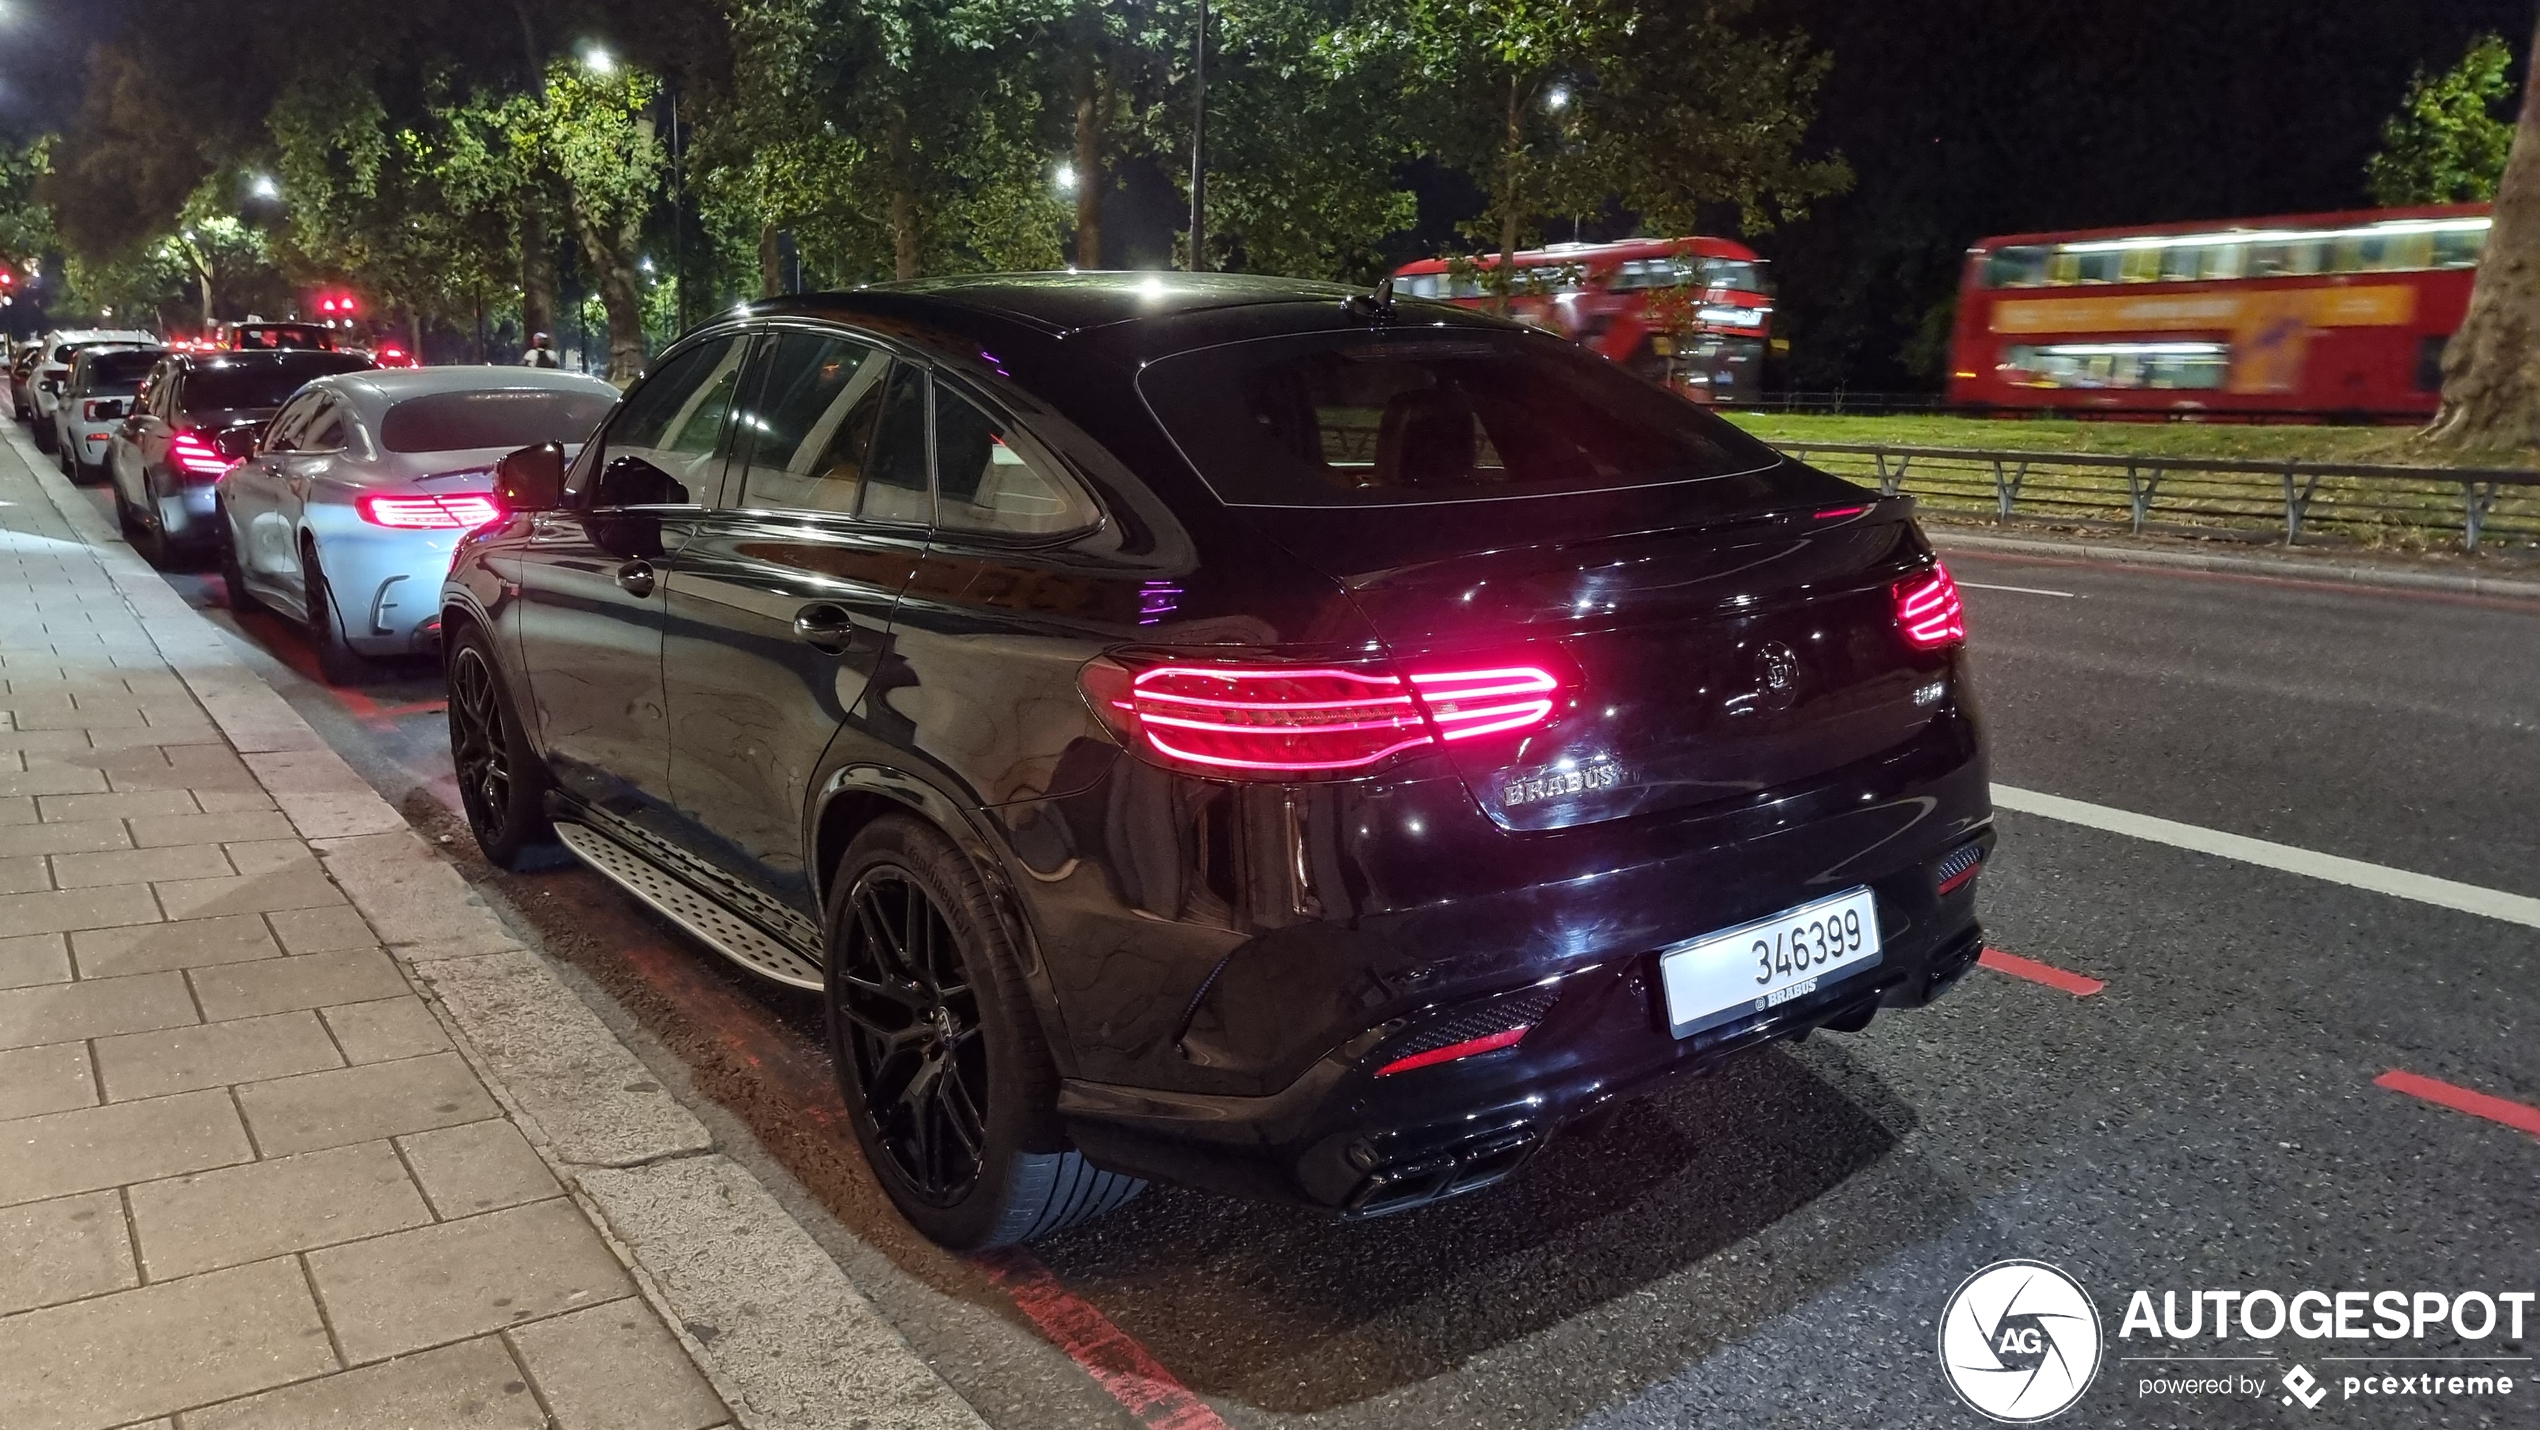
<point x="60" y="346"/>
<point x="346" y="515"/>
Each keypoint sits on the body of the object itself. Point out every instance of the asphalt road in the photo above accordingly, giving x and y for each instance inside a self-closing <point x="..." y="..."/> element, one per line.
<point x="1774" y="1245"/>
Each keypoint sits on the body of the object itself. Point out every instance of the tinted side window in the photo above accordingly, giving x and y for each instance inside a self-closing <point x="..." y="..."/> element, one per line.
<point x="984" y="484"/>
<point x="812" y="422"/>
<point x="895" y="476"/>
<point x="284" y="434"/>
<point x="664" y="445"/>
<point x="326" y="430"/>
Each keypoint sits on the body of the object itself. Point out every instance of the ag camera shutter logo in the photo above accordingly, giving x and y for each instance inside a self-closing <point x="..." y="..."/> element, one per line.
<point x="2019" y="1342"/>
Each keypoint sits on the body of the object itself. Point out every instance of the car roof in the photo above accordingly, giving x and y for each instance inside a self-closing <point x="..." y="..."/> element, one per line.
<point x="376" y="389"/>
<point x="1059" y="303"/>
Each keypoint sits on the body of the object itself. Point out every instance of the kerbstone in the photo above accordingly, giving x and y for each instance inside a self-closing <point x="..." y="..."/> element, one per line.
<point x="247" y="1213"/>
<point x="593" y="1101"/>
<point x="437" y="1283"/>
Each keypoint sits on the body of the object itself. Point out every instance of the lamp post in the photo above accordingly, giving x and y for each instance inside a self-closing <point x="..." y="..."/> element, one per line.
<point x="1199" y="144"/>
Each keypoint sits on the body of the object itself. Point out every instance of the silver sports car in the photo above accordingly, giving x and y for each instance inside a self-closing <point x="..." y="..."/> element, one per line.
<point x="347" y="513"/>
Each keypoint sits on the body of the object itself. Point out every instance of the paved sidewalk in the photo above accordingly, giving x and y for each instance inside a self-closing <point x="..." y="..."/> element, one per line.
<point x="292" y="1132"/>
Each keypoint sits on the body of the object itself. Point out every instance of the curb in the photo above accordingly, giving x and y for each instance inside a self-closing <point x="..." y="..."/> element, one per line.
<point x="769" y="1317"/>
<point x="2281" y="568"/>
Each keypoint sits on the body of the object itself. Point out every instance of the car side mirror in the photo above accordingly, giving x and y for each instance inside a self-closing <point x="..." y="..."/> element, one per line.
<point x="236" y="443"/>
<point x="531" y="479"/>
<point x="632" y="481"/>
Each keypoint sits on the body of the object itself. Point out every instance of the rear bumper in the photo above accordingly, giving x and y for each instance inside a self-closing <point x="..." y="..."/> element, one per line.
<point x="387" y="584"/>
<point x="1343" y="1140"/>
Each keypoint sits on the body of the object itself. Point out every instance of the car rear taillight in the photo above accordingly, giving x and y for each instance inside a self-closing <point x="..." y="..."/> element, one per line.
<point x="1927" y="610"/>
<point x="196" y="454"/>
<point x="92" y="410"/>
<point x="1268" y="721"/>
<point x="462" y="511"/>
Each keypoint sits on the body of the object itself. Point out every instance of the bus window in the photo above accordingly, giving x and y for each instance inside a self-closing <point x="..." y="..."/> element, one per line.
<point x="2457" y="248"/>
<point x="2023" y="267"/>
<point x="2138" y="265"/>
<point x="1736" y="274"/>
<point x="2100" y="267"/>
<point x="2283" y="259"/>
<point x="2222" y="260"/>
<point x="2181" y="261"/>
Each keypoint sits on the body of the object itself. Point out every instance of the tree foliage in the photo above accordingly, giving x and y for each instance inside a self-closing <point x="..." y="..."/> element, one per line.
<point x="2446" y="144"/>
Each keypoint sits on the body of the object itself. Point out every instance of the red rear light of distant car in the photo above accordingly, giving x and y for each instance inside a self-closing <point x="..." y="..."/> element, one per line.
<point x="196" y="454"/>
<point x="462" y="511"/>
<point x="1927" y="610"/>
<point x="1267" y="721"/>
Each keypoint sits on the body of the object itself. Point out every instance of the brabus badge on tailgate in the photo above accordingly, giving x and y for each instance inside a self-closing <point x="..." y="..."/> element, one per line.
<point x="1556" y="781"/>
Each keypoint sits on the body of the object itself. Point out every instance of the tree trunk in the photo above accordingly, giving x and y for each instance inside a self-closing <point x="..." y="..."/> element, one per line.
<point x="537" y="271"/>
<point x="903" y="196"/>
<point x="1092" y="90"/>
<point x="203" y="278"/>
<point x="1510" y="157"/>
<point x="771" y="260"/>
<point x="611" y="249"/>
<point x="2491" y="367"/>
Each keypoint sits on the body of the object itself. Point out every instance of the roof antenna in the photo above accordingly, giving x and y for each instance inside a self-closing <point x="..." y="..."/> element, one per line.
<point x="1375" y="307"/>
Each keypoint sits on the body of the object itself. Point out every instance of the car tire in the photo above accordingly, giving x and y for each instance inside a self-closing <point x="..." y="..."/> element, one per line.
<point x="338" y="662"/>
<point x="233" y="572"/>
<point x="141" y="530"/>
<point x="502" y="782"/>
<point x="942" y="1005"/>
<point x="44" y="436"/>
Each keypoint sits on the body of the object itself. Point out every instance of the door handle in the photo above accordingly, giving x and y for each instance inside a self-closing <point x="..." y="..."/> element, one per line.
<point x="824" y="627"/>
<point x="637" y="577"/>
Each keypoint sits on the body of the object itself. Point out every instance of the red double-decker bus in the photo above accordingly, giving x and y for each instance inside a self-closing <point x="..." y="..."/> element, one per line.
<point x="1694" y="313"/>
<point x="2340" y="315"/>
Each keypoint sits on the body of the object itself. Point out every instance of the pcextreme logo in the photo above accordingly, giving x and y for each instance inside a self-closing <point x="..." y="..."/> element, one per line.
<point x="2019" y="1342"/>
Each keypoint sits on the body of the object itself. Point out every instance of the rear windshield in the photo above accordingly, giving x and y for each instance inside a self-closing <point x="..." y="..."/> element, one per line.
<point x="121" y="370"/>
<point x="260" y="382"/>
<point x="514" y="417"/>
<point x="1398" y="419"/>
<point x="282" y="335"/>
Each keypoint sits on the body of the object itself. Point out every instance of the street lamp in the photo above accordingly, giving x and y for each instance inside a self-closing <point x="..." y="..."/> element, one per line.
<point x="1556" y="99"/>
<point x="263" y="187"/>
<point x="1066" y="178"/>
<point x="599" y="61"/>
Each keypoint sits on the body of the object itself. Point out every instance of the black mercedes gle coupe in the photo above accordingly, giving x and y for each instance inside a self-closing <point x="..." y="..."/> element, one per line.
<point x="1258" y="735"/>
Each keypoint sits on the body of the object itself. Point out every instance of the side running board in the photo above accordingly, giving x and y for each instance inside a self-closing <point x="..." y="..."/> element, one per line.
<point x="718" y="928"/>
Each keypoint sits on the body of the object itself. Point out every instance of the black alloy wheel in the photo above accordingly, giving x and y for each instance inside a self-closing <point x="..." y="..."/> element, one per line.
<point x="946" y="1073"/>
<point x="501" y="780"/>
<point x="912" y="1019"/>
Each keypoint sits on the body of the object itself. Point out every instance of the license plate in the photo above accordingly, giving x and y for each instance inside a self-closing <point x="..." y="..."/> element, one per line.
<point x="1754" y="968"/>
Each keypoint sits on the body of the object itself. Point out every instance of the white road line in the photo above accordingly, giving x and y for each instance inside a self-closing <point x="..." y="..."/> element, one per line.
<point x="2023" y="590"/>
<point x="2355" y="873"/>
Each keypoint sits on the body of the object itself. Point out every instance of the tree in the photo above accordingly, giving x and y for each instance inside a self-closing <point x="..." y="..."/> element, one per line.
<point x="1305" y="136"/>
<point x="2446" y="145"/>
<point x="2491" y="367"/>
<point x="1564" y="107"/>
<point x="598" y="131"/>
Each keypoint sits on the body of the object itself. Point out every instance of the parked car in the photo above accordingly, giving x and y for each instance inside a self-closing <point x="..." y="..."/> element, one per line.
<point x="95" y="397"/>
<point x="1247" y="733"/>
<point x="256" y="335"/>
<point x="346" y="514"/>
<point x="195" y="414"/>
<point x="59" y="348"/>
<point x="23" y="360"/>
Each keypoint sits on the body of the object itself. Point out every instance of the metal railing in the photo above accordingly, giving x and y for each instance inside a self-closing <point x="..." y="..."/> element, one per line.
<point x="2351" y="501"/>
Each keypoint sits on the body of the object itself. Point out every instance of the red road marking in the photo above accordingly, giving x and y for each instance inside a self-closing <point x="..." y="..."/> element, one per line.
<point x="365" y="708"/>
<point x="2036" y="972"/>
<point x="2519" y="1116"/>
<point x="1116" y="1361"/>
